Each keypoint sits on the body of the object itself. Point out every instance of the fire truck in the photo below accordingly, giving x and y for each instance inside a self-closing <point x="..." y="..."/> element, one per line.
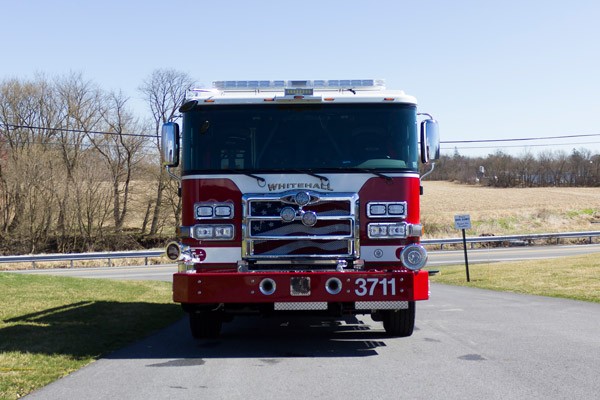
<point x="299" y="196"/>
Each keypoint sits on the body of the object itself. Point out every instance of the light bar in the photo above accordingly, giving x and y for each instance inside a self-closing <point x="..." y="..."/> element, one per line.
<point x="280" y="84"/>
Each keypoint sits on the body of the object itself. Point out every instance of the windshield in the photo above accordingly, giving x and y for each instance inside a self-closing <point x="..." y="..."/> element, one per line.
<point x="300" y="137"/>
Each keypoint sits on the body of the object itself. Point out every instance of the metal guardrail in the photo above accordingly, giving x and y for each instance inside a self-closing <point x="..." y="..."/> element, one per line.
<point x="146" y="254"/>
<point x="514" y="238"/>
<point x="70" y="257"/>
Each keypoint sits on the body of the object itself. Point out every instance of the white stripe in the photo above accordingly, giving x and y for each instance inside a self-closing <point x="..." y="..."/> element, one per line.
<point x="347" y="182"/>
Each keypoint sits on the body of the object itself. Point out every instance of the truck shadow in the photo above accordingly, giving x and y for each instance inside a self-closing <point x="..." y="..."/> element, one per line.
<point x="84" y="329"/>
<point x="110" y="329"/>
<point x="266" y="339"/>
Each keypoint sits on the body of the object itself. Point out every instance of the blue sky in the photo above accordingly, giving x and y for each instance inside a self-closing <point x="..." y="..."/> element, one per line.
<point x="485" y="70"/>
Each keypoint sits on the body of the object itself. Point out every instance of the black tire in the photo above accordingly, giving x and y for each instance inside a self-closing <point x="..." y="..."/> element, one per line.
<point x="206" y="325"/>
<point x="400" y="323"/>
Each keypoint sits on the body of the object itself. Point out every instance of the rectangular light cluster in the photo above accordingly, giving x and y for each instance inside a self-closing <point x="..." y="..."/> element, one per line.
<point x="213" y="210"/>
<point x="213" y="232"/>
<point x="387" y="230"/>
<point x="387" y="209"/>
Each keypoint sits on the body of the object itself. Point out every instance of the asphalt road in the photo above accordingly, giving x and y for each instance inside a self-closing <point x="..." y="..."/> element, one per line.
<point x="468" y="344"/>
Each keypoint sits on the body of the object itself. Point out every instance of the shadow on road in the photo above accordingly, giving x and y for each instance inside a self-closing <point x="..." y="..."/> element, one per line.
<point x="263" y="338"/>
<point x="93" y="329"/>
<point x="84" y="329"/>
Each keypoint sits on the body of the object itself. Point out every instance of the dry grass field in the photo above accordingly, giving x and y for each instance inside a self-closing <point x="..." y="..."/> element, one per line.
<point x="508" y="211"/>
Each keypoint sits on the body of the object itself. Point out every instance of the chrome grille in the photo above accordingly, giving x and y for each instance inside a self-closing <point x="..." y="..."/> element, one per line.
<point x="268" y="235"/>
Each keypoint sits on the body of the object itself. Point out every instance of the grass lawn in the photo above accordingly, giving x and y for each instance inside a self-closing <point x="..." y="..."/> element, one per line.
<point x="575" y="278"/>
<point x="51" y="326"/>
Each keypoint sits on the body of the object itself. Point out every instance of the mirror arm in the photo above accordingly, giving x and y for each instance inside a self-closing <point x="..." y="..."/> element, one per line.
<point x="428" y="172"/>
<point x="172" y="175"/>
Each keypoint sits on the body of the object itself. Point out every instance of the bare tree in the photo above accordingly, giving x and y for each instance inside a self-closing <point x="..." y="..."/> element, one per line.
<point x="79" y="104"/>
<point x="164" y="92"/>
<point x="120" y="152"/>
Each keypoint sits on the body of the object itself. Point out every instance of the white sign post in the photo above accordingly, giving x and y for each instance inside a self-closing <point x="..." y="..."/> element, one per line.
<point x="463" y="222"/>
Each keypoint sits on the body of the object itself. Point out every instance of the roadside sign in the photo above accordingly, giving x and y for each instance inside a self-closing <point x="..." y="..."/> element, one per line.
<point x="462" y="221"/>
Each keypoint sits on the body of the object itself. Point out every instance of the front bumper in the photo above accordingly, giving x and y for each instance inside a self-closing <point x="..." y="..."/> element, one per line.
<point x="363" y="288"/>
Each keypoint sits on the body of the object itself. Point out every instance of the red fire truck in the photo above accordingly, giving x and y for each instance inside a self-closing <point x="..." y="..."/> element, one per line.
<point x="300" y="197"/>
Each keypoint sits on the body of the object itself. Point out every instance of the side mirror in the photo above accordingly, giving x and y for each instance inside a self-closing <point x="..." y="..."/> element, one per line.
<point x="430" y="141"/>
<point x="170" y="144"/>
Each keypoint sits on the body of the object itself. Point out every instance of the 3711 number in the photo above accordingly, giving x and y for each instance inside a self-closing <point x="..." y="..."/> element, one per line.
<point x="370" y="286"/>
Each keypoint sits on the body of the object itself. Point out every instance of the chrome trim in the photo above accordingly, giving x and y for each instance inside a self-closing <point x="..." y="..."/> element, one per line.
<point x="333" y="286"/>
<point x="267" y="286"/>
<point x="286" y="235"/>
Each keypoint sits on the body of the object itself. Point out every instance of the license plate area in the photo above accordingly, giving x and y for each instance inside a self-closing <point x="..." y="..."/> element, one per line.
<point x="300" y="286"/>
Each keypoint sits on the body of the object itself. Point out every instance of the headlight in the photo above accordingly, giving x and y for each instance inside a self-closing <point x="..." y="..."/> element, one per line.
<point x="224" y="211"/>
<point x="383" y="209"/>
<point x="213" y="232"/>
<point x="414" y="257"/>
<point x="376" y="209"/>
<point x="213" y="210"/>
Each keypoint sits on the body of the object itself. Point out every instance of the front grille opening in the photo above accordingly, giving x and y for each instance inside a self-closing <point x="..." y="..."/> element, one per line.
<point x="302" y="247"/>
<point x="279" y="229"/>
<point x="332" y="236"/>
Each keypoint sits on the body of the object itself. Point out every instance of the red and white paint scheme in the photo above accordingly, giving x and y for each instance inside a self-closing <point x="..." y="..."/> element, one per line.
<point x="300" y="196"/>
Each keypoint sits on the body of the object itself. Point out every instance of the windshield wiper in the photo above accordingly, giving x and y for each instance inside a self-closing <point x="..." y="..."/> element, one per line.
<point x="261" y="181"/>
<point x="371" y="171"/>
<point x="309" y="172"/>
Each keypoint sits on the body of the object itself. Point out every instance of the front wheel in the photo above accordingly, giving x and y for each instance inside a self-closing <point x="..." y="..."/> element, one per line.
<point x="206" y="325"/>
<point x="400" y="323"/>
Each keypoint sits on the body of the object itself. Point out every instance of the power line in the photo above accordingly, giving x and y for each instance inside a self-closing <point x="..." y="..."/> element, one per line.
<point x="14" y="126"/>
<point x="519" y="139"/>
<point x="521" y="146"/>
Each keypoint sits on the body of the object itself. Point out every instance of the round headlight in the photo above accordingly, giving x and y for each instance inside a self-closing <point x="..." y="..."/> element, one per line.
<point x="414" y="257"/>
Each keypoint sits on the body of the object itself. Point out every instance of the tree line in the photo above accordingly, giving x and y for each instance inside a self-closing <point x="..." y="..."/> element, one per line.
<point x="580" y="167"/>
<point x="70" y="153"/>
<point x="80" y="171"/>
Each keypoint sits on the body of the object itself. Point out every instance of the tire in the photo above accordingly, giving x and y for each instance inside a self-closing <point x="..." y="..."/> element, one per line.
<point x="400" y="323"/>
<point x="205" y="325"/>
